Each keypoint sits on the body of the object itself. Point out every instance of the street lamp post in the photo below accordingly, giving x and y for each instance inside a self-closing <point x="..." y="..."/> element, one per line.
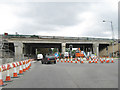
<point x="112" y="35"/>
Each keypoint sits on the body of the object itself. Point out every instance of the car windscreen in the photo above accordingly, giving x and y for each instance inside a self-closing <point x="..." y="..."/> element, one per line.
<point x="77" y="51"/>
<point x="50" y="56"/>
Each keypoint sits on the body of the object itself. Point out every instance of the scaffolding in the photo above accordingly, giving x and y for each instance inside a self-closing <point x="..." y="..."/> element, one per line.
<point x="5" y="53"/>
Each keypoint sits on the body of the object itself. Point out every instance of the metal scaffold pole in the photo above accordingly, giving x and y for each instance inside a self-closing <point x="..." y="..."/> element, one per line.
<point x="1" y="49"/>
<point x="6" y="55"/>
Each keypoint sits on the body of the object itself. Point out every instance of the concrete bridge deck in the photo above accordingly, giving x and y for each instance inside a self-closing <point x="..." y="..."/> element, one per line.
<point x="27" y="44"/>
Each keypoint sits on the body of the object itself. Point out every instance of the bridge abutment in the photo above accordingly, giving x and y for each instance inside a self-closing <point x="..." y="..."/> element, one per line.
<point x="18" y="50"/>
<point x="63" y="47"/>
<point x="96" y="48"/>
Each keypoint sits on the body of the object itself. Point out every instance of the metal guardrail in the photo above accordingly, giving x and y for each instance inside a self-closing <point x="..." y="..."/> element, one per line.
<point x="55" y="37"/>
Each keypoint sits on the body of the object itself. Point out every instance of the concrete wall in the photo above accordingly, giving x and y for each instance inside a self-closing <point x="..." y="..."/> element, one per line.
<point x="110" y="50"/>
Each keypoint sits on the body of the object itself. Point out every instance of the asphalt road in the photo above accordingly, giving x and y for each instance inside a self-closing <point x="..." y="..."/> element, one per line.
<point x="68" y="75"/>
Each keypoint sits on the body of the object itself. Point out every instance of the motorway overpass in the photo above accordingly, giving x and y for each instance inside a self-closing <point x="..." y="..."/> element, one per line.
<point x="27" y="44"/>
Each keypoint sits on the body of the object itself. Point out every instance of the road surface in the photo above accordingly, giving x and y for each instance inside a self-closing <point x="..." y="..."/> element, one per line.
<point x="68" y="75"/>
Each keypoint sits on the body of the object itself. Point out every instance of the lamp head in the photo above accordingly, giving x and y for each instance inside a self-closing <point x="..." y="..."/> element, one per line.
<point x="104" y="21"/>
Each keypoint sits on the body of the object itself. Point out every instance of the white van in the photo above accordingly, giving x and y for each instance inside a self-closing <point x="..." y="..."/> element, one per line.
<point x="66" y="54"/>
<point x="39" y="57"/>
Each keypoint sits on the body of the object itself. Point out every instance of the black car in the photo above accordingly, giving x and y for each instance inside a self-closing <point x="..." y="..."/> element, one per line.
<point x="48" y="59"/>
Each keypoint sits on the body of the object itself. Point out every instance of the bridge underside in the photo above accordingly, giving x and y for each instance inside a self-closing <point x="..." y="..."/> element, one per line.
<point x="30" y="48"/>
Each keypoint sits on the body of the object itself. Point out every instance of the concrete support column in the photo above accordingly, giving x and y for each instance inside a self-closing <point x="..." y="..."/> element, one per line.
<point x="18" y="51"/>
<point x="25" y="49"/>
<point x="30" y="50"/>
<point x="96" y="48"/>
<point x="63" y="47"/>
<point x="84" y="48"/>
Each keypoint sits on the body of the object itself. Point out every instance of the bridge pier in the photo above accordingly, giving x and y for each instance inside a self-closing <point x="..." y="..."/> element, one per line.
<point x="63" y="47"/>
<point x="18" y="50"/>
<point x="96" y="48"/>
<point x="24" y="49"/>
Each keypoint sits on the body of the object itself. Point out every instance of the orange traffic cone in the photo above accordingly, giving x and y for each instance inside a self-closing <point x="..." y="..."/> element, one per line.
<point x="11" y="66"/>
<point x="71" y="58"/>
<point x="107" y="61"/>
<point x="93" y="60"/>
<point x="96" y="61"/>
<point x="57" y="59"/>
<point x="5" y="66"/>
<point x="20" y="71"/>
<point x="71" y="61"/>
<point x="61" y="60"/>
<point x="20" y="63"/>
<point x="104" y="59"/>
<point x="1" y="80"/>
<point x="17" y="63"/>
<point x="81" y="60"/>
<point x="8" y="78"/>
<point x="101" y="61"/>
<point x="112" y="60"/>
<point x="65" y="59"/>
<point x="75" y="61"/>
<point x="78" y="59"/>
<point x="26" y="65"/>
<point x="90" y="60"/>
<point x="30" y="62"/>
<point x="24" y="68"/>
<point x="68" y="59"/>
<point x="15" y="71"/>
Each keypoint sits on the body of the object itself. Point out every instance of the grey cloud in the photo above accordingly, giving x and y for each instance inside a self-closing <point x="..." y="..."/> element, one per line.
<point x="48" y="16"/>
<point x="54" y="13"/>
<point x="30" y="29"/>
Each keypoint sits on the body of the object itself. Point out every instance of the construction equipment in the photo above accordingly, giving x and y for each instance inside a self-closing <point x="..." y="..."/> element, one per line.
<point x="79" y="53"/>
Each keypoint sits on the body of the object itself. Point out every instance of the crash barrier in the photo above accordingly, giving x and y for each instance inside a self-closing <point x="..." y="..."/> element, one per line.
<point x="18" y="68"/>
<point x="86" y="60"/>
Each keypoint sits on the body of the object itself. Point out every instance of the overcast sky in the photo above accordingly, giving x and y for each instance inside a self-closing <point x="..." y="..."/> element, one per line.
<point x="76" y="19"/>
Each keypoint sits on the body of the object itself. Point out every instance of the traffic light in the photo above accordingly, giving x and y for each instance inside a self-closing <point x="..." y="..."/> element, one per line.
<point x="106" y="48"/>
<point x="71" y="47"/>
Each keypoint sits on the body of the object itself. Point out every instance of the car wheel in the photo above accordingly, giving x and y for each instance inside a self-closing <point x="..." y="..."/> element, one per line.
<point x="42" y="62"/>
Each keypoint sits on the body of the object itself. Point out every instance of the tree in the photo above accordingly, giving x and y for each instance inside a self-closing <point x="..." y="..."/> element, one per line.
<point x="50" y="50"/>
<point x="54" y="50"/>
<point x="43" y="50"/>
<point x="73" y="51"/>
<point x="67" y="50"/>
